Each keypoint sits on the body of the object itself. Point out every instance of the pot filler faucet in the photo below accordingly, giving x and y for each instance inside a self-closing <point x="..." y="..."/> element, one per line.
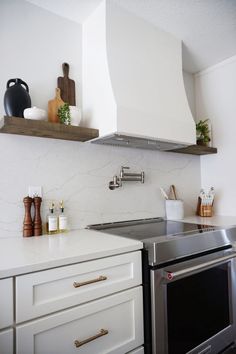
<point x="125" y="176"/>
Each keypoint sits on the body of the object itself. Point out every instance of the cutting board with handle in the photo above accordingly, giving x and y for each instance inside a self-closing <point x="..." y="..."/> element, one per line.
<point x="67" y="86"/>
<point x="53" y="106"/>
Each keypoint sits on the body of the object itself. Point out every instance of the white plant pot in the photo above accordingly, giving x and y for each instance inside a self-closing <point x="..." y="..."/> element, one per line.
<point x="75" y="114"/>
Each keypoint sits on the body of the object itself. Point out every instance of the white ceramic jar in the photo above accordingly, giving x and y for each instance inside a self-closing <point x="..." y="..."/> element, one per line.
<point x="75" y="114"/>
<point x="35" y="113"/>
<point x="174" y="209"/>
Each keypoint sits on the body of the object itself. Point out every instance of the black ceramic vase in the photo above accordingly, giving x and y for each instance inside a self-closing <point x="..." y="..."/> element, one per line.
<point x="16" y="98"/>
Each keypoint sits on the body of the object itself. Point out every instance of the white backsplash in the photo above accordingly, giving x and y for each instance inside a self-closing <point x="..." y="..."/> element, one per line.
<point x="76" y="172"/>
<point x="79" y="174"/>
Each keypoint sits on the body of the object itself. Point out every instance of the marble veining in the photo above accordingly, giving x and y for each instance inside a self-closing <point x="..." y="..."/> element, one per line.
<point x="79" y="174"/>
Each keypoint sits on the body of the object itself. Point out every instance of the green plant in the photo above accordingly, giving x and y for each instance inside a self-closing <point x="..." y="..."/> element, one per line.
<point x="203" y="132"/>
<point x="64" y="114"/>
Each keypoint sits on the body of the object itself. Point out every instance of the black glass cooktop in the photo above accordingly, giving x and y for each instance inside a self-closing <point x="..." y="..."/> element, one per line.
<point x="150" y="228"/>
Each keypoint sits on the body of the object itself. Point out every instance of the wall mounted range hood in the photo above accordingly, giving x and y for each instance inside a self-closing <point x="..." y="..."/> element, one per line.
<point x="133" y="89"/>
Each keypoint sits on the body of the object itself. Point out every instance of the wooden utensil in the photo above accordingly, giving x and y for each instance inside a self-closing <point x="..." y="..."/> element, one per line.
<point x="53" y="106"/>
<point x="173" y="191"/>
<point x="67" y="86"/>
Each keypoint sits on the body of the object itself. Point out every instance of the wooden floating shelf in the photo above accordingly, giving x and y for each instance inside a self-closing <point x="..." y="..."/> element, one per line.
<point x="196" y="150"/>
<point x="43" y="129"/>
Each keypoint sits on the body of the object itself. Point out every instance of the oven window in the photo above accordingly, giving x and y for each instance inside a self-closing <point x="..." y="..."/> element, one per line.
<point x="197" y="308"/>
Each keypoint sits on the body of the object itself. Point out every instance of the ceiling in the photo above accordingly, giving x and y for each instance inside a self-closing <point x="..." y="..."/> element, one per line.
<point x="207" y="27"/>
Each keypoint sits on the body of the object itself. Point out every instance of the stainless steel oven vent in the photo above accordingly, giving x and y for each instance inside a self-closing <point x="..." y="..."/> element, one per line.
<point x="117" y="139"/>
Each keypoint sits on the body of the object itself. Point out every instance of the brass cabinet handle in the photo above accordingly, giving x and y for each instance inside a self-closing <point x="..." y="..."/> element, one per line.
<point x="102" y="332"/>
<point x="101" y="278"/>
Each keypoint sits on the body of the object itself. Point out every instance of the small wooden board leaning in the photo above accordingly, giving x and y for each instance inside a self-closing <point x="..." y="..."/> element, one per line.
<point x="67" y="86"/>
<point x="53" y="106"/>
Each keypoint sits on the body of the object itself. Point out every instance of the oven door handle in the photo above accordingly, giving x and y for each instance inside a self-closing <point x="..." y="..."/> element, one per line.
<point x="169" y="275"/>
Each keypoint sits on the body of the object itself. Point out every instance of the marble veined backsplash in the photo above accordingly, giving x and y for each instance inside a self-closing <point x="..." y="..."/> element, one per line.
<point x="79" y="174"/>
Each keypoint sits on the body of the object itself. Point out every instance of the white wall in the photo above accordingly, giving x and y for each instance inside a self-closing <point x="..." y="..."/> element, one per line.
<point x="35" y="44"/>
<point x="216" y="100"/>
<point x="189" y="84"/>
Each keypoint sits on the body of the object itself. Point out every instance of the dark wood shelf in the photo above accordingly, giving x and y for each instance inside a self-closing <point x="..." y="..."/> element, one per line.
<point x="43" y="129"/>
<point x="196" y="150"/>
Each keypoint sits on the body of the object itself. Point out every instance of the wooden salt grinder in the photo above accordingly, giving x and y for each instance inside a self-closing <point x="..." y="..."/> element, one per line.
<point x="28" y="224"/>
<point x="37" y="217"/>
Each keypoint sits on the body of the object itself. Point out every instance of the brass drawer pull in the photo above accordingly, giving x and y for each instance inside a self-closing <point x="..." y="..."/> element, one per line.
<point x="102" y="332"/>
<point x="101" y="278"/>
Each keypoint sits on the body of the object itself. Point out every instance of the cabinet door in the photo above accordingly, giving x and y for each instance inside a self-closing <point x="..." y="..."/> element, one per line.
<point x="6" y="342"/>
<point x="42" y="293"/>
<point x="112" y="325"/>
<point x="6" y="303"/>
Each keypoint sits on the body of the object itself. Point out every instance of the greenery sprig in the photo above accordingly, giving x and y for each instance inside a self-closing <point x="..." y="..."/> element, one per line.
<point x="64" y="114"/>
<point x="203" y="132"/>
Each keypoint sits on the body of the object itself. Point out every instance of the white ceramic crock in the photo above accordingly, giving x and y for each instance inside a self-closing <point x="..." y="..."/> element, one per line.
<point x="35" y="113"/>
<point x="75" y="115"/>
<point x="174" y="209"/>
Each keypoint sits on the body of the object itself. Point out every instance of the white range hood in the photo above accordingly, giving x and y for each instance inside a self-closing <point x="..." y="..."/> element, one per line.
<point x="133" y="89"/>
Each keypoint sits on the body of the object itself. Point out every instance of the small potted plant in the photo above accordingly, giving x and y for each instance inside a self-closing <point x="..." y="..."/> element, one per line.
<point x="64" y="114"/>
<point x="203" y="132"/>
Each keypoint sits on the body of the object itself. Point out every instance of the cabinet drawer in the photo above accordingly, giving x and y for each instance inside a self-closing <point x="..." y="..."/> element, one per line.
<point x="48" y="291"/>
<point x="112" y="325"/>
<point x="139" y="350"/>
<point x="6" y="303"/>
<point x="6" y="342"/>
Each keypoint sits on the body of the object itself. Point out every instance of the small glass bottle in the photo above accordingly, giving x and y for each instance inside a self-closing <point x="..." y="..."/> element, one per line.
<point x="52" y="227"/>
<point x="62" y="218"/>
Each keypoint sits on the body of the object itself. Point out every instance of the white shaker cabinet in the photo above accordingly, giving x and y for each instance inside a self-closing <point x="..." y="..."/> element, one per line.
<point x="6" y="303"/>
<point x="45" y="292"/>
<point x="6" y="341"/>
<point x="111" y="325"/>
<point x="6" y="316"/>
<point x="93" y="307"/>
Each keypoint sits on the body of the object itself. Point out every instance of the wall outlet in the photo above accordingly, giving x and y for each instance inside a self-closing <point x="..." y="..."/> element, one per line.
<point x="35" y="191"/>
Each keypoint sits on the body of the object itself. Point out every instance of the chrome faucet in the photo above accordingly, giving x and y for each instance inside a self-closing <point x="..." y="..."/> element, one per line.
<point x="125" y="176"/>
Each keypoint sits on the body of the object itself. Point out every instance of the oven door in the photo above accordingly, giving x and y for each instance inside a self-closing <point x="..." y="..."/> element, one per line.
<point x="193" y="305"/>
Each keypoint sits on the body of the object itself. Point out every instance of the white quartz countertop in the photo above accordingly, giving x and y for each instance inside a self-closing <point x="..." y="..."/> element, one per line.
<point x="24" y="255"/>
<point x="214" y="220"/>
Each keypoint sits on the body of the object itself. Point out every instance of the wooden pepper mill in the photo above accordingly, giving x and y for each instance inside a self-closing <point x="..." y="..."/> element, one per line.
<point x="37" y="217"/>
<point x="28" y="224"/>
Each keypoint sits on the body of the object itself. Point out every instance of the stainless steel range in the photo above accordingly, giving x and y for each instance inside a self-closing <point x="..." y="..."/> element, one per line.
<point x="189" y="284"/>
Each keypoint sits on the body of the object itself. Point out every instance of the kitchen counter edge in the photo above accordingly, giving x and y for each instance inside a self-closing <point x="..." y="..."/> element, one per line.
<point x="26" y="255"/>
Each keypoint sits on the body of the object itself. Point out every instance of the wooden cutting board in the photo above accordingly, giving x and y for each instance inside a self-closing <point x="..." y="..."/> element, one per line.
<point x="67" y="86"/>
<point x="53" y="106"/>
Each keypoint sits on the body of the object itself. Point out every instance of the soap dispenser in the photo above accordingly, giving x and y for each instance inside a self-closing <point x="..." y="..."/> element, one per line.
<point x="62" y="218"/>
<point x="52" y="227"/>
